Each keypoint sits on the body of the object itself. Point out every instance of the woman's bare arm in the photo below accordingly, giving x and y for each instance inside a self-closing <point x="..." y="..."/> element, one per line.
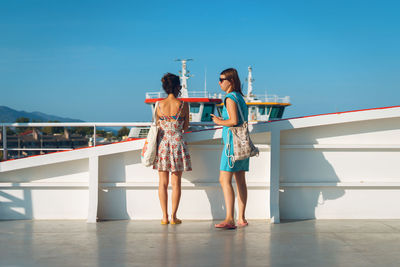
<point x="233" y="120"/>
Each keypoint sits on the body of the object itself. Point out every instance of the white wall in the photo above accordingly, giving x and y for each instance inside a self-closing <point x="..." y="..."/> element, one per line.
<point x="129" y="190"/>
<point x="348" y="170"/>
<point x="332" y="166"/>
<point x="53" y="191"/>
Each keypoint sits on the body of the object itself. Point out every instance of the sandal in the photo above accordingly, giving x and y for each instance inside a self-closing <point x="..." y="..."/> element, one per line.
<point x="176" y="221"/>
<point x="225" y="225"/>
<point x="243" y="224"/>
<point x="164" y="222"/>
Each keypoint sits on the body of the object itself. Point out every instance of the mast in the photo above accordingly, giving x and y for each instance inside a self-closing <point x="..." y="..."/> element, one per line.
<point x="249" y="83"/>
<point x="205" y="81"/>
<point x="184" y="77"/>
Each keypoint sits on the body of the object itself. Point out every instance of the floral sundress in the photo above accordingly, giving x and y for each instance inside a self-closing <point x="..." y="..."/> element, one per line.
<point x="172" y="153"/>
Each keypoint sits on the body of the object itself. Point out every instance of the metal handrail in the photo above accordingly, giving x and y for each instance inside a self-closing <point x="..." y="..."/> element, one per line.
<point x="77" y="124"/>
<point x="74" y="124"/>
<point x="90" y="124"/>
<point x="204" y="94"/>
<point x="60" y="124"/>
<point x="273" y="98"/>
<point x="263" y="98"/>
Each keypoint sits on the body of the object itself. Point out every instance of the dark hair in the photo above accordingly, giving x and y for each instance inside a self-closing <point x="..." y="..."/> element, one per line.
<point x="171" y="84"/>
<point x="232" y="76"/>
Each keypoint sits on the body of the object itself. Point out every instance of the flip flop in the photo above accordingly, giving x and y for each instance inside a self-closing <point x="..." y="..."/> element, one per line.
<point x="242" y="224"/>
<point x="176" y="221"/>
<point x="164" y="222"/>
<point x="225" y="225"/>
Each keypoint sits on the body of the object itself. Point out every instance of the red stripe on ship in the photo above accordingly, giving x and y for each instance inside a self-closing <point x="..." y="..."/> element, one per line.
<point x="192" y="99"/>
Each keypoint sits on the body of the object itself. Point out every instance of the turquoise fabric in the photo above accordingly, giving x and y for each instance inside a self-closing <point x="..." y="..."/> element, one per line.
<point x="240" y="165"/>
<point x="170" y="117"/>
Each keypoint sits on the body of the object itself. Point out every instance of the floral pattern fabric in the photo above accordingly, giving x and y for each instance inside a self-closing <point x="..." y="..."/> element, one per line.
<point x="172" y="153"/>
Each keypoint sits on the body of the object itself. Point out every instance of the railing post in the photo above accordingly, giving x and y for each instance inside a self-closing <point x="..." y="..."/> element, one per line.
<point x="93" y="189"/>
<point x="4" y="142"/>
<point x="94" y="135"/>
<point x="274" y="175"/>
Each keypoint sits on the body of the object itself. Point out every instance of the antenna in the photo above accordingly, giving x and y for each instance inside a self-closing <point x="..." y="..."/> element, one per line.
<point x="187" y="59"/>
<point x="205" y="80"/>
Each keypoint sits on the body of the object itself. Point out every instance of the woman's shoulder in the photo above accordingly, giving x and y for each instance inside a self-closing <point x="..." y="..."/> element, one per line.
<point x="162" y="102"/>
<point x="235" y="96"/>
<point x="167" y="102"/>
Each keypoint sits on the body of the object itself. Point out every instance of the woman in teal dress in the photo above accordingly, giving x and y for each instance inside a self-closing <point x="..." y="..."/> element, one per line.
<point x="230" y="84"/>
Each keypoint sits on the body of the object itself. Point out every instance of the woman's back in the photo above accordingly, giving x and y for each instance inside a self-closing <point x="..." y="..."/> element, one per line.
<point x="173" y="110"/>
<point x="172" y="153"/>
<point x="169" y="107"/>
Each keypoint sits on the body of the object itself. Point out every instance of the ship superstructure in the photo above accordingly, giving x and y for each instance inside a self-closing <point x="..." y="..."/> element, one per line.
<point x="202" y="103"/>
<point x="263" y="107"/>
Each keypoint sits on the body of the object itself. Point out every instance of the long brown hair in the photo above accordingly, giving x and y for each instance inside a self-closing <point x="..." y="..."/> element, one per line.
<point x="232" y="76"/>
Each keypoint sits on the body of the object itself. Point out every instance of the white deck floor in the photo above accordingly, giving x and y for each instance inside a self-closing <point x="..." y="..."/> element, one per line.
<point x="197" y="243"/>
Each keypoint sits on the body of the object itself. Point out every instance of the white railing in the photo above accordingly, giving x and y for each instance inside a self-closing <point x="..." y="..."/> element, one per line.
<point x="95" y="125"/>
<point x="194" y="94"/>
<point x="203" y="94"/>
<point x="271" y="98"/>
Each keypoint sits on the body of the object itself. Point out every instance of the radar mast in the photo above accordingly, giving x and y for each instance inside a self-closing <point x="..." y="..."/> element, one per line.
<point x="184" y="77"/>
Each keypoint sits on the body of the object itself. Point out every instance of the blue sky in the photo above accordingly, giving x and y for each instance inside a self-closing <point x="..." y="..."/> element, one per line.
<point x="94" y="60"/>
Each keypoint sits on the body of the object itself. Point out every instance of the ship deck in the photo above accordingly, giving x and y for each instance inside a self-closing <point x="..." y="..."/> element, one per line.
<point x="197" y="243"/>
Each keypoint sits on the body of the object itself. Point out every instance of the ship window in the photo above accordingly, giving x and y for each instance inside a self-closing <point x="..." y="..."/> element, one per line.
<point x="261" y="110"/>
<point x="207" y="111"/>
<point x="194" y="108"/>
<point x="280" y="113"/>
<point x="275" y="113"/>
<point x="143" y="132"/>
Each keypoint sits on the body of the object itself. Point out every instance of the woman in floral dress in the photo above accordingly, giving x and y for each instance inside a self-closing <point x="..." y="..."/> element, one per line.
<point x="172" y="154"/>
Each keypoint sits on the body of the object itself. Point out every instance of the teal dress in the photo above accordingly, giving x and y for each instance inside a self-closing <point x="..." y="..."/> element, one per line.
<point x="240" y="165"/>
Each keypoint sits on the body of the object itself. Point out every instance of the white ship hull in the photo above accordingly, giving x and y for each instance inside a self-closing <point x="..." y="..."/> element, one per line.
<point x="333" y="166"/>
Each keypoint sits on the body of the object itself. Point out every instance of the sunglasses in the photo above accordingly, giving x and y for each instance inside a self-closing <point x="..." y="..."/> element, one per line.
<point x="222" y="79"/>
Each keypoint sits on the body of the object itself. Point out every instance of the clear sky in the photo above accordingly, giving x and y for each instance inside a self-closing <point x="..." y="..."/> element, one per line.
<point x="94" y="60"/>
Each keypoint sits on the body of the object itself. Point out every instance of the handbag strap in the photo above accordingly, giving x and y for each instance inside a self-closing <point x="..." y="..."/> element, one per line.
<point x="230" y="157"/>
<point x="240" y="110"/>
<point x="154" y="113"/>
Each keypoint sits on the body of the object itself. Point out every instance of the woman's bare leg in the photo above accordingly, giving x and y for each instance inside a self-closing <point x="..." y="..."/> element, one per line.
<point x="242" y="194"/>
<point x="225" y="179"/>
<point x="176" y="193"/>
<point x="163" y="193"/>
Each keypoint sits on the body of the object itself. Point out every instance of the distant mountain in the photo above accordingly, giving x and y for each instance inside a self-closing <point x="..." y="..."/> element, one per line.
<point x="9" y="115"/>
